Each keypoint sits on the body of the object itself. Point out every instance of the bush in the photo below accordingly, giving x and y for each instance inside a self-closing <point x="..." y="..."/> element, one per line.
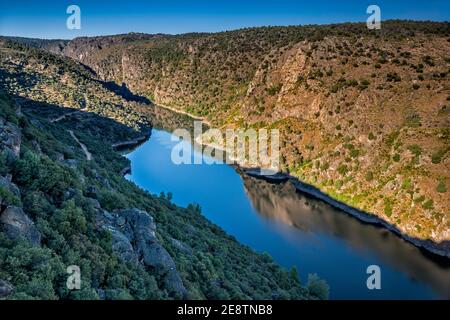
<point x="111" y="200"/>
<point x="317" y="287"/>
<point x="8" y="198"/>
<point x="275" y="89"/>
<point x="437" y="156"/>
<point x="343" y="169"/>
<point x="428" y="204"/>
<point x="388" y="206"/>
<point x="396" y="157"/>
<point x="415" y="149"/>
<point x="441" y="188"/>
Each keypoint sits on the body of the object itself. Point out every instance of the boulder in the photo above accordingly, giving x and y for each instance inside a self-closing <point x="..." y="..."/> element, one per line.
<point x="6" y="288"/>
<point x="15" y="224"/>
<point x="10" y="138"/>
<point x="122" y="246"/>
<point x="134" y="239"/>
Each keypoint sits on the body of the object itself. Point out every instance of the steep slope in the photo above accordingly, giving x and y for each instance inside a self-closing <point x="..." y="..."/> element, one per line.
<point x="364" y="115"/>
<point x="58" y="208"/>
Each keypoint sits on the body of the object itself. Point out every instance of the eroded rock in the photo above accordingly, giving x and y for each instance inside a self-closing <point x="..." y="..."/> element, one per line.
<point x="15" y="224"/>
<point x="134" y="239"/>
<point x="10" y="138"/>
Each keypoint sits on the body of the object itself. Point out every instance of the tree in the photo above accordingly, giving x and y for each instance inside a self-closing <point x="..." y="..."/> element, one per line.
<point x="317" y="287"/>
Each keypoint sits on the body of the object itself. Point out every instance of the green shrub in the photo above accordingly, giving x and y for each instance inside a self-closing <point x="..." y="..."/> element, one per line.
<point x="8" y="198"/>
<point x="275" y="89"/>
<point x="428" y="204"/>
<point x="325" y="166"/>
<point x="415" y="149"/>
<point x="111" y="200"/>
<point x="388" y="205"/>
<point x="354" y="153"/>
<point x="369" y="176"/>
<point x="317" y="287"/>
<point x="441" y="188"/>
<point x="437" y="156"/>
<point x="343" y="169"/>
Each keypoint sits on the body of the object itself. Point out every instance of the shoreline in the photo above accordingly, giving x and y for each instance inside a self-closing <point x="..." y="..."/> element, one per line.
<point x="204" y="120"/>
<point x="441" y="250"/>
<point x="363" y="216"/>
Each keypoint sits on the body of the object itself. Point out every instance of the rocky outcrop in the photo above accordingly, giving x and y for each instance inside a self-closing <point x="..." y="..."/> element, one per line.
<point x="134" y="240"/>
<point x="16" y="224"/>
<point x="10" y="138"/>
<point x="5" y="182"/>
<point x="6" y="288"/>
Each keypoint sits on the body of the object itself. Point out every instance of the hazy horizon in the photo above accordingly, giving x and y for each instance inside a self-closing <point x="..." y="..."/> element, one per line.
<point x="47" y="19"/>
<point x="210" y="32"/>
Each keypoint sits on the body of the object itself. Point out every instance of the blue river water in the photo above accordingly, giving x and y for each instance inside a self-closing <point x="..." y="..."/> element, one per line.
<point x="294" y="229"/>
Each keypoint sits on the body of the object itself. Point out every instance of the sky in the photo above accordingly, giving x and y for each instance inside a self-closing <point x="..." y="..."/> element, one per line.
<point x="47" y="19"/>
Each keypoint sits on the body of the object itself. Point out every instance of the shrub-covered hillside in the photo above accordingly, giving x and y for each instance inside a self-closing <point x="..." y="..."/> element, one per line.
<point x="64" y="201"/>
<point x="363" y="114"/>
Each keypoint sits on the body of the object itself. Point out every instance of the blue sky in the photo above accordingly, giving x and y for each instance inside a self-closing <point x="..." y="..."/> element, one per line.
<point x="47" y="19"/>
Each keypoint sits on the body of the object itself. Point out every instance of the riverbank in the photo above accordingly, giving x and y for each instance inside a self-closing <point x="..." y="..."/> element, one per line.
<point x="440" y="249"/>
<point x="435" y="248"/>
<point x="204" y="120"/>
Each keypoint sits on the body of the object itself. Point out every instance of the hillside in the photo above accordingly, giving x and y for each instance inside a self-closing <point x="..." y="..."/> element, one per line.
<point x="64" y="200"/>
<point x="364" y="115"/>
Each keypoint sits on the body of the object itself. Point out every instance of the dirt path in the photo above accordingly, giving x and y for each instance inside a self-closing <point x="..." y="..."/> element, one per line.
<point x="185" y="113"/>
<point x="85" y="150"/>
<point x="66" y="115"/>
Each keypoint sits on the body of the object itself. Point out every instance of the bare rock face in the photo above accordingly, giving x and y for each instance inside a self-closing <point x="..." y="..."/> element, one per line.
<point x="134" y="239"/>
<point x="15" y="224"/>
<point x="6" y="288"/>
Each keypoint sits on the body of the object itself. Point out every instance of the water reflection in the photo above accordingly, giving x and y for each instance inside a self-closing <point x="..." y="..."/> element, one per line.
<point x="283" y="203"/>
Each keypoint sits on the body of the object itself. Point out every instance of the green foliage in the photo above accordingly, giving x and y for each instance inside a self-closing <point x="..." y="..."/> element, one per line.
<point x="369" y="176"/>
<point x="415" y="149"/>
<point x="111" y="200"/>
<point x="407" y="184"/>
<point x="438" y="155"/>
<point x="8" y="198"/>
<point x="428" y="204"/>
<point x="317" y="287"/>
<point x="396" y="157"/>
<point x="388" y="206"/>
<point x="413" y="119"/>
<point x="3" y="163"/>
<point x="441" y="188"/>
<point x="275" y="89"/>
<point x="343" y="169"/>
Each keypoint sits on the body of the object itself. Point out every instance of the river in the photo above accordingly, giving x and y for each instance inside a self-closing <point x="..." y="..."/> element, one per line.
<point x="295" y="229"/>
